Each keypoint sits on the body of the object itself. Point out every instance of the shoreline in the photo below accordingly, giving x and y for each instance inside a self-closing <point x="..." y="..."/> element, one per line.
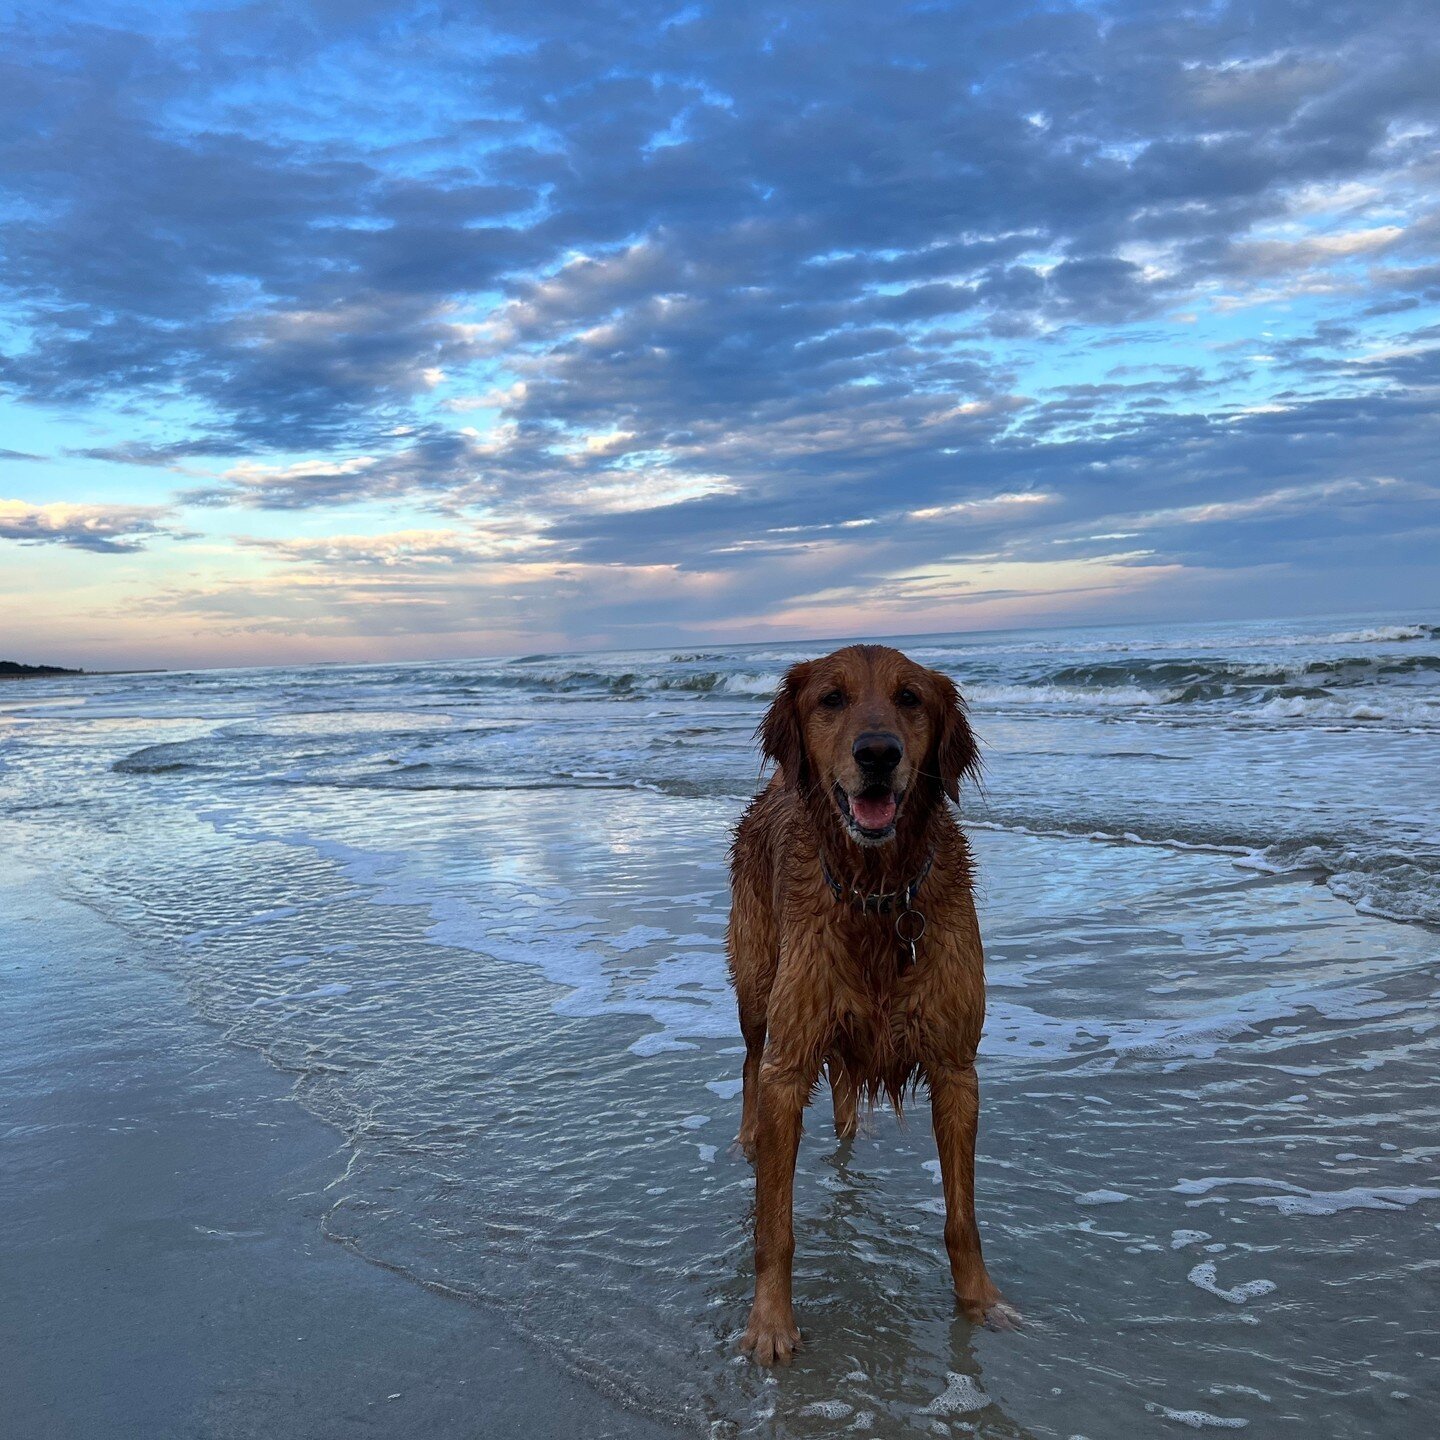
<point x="165" y="1269"/>
<point x="43" y="674"/>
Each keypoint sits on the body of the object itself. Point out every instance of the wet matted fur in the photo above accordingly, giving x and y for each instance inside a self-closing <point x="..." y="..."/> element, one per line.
<point x="869" y="746"/>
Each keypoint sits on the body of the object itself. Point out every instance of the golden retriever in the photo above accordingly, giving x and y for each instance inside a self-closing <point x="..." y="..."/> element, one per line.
<point x="853" y="945"/>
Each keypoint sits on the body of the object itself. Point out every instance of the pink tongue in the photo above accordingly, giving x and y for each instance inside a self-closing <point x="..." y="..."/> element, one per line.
<point x="873" y="814"/>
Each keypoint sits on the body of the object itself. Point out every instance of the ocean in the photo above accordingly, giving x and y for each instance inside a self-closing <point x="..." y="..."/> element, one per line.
<point x="476" y="909"/>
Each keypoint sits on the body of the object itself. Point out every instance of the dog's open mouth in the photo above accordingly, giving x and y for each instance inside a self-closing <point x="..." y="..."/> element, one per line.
<point x="870" y="813"/>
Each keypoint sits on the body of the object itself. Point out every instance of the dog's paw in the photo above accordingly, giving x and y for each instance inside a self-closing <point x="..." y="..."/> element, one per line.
<point x="745" y="1144"/>
<point x="1002" y="1315"/>
<point x="770" y="1339"/>
<point x="984" y="1305"/>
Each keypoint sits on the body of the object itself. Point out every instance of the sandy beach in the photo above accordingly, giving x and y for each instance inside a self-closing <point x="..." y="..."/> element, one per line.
<point x="428" y="959"/>
<point x="164" y="1271"/>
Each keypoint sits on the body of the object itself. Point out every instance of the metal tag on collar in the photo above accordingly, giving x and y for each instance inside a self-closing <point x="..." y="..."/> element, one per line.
<point x="910" y="928"/>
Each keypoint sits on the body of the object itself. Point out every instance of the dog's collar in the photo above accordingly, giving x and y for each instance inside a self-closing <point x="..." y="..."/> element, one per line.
<point x="881" y="901"/>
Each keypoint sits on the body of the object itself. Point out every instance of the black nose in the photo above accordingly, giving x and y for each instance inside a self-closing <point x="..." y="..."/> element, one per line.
<point x="875" y="750"/>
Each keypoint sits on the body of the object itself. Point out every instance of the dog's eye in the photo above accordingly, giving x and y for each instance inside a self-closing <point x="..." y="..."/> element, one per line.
<point x="833" y="699"/>
<point x="908" y="698"/>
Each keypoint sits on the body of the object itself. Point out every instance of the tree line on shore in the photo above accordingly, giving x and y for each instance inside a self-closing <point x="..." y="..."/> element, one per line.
<point x="14" y="670"/>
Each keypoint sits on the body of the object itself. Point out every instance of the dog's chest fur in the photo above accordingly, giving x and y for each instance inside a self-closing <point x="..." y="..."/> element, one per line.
<point x="880" y="1022"/>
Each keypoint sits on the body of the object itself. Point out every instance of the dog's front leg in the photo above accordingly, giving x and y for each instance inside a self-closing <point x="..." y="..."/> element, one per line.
<point x="955" y="1111"/>
<point x="772" y="1335"/>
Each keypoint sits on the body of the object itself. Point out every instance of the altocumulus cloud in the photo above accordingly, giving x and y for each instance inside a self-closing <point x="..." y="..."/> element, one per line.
<point x="106" y="529"/>
<point x="778" y="305"/>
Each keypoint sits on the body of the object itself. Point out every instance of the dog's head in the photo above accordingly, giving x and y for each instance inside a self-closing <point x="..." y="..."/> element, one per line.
<point x="871" y="733"/>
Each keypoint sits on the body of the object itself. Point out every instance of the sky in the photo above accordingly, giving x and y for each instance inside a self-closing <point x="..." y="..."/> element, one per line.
<point x="363" y="331"/>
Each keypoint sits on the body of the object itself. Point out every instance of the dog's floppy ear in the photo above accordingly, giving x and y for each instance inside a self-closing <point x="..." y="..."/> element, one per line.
<point x="956" y="754"/>
<point x="782" y="737"/>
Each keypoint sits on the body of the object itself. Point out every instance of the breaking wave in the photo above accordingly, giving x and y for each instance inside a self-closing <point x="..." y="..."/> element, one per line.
<point x="1325" y="687"/>
<point x="1375" y="878"/>
<point x="1385" y="634"/>
<point x="1305" y="748"/>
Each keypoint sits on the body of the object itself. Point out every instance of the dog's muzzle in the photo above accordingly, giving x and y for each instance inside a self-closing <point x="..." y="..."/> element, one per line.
<point x="870" y="810"/>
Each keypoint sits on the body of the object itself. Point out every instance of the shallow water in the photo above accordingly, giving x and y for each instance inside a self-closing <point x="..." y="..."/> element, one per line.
<point x="478" y="910"/>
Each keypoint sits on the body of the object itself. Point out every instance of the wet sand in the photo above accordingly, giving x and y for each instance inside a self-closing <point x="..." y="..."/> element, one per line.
<point x="475" y="913"/>
<point x="163" y="1271"/>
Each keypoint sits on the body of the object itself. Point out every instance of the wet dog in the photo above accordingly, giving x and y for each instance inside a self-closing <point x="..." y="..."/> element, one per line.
<point x="854" y="948"/>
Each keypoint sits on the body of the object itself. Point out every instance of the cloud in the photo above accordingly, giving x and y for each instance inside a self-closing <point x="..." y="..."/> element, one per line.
<point x="390" y="586"/>
<point x="297" y="287"/>
<point x="431" y="461"/>
<point x="988" y="506"/>
<point x="402" y="550"/>
<point x="743" y="292"/>
<point x="104" y="529"/>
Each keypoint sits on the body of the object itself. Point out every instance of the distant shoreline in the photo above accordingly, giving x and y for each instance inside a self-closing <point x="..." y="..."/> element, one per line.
<point x="13" y="670"/>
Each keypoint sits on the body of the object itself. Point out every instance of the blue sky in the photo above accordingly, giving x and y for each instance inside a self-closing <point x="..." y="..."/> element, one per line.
<point x="350" y="331"/>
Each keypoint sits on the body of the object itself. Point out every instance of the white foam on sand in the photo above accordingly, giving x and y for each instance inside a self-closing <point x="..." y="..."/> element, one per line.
<point x="1331" y="1202"/>
<point x="828" y="1409"/>
<point x="1203" y="1277"/>
<point x="657" y="1042"/>
<point x="1203" y="1037"/>
<point x="1198" y="1419"/>
<point x="684" y="991"/>
<point x="679" y="981"/>
<point x="961" y="1396"/>
<point x="1297" y="1200"/>
<point x="636" y="937"/>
